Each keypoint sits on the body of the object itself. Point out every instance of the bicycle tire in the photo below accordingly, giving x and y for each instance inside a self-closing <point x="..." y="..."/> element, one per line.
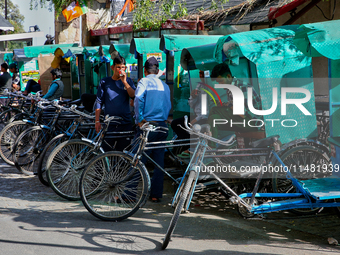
<point x="178" y="210"/>
<point x="28" y="148"/>
<point x="299" y="156"/>
<point x="108" y="192"/>
<point x="41" y="168"/>
<point x="64" y="178"/>
<point x="6" y="116"/>
<point x="8" y="137"/>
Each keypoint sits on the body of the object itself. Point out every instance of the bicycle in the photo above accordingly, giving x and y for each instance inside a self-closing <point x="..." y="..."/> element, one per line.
<point x="80" y="128"/>
<point x="115" y="185"/>
<point x="68" y="160"/>
<point x="11" y="131"/>
<point x="32" y="141"/>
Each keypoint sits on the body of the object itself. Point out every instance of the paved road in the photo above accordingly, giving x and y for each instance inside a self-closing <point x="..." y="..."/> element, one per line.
<point x="36" y="221"/>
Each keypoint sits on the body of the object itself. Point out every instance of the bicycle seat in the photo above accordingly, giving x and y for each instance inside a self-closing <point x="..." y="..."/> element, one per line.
<point x="265" y="142"/>
<point x="81" y="108"/>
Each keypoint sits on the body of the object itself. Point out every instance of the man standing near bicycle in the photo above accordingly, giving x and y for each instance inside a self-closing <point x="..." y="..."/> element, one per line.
<point x="113" y="97"/>
<point x="152" y="104"/>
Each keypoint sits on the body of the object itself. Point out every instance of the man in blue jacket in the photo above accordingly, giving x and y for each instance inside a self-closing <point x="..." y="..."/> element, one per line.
<point x="152" y="104"/>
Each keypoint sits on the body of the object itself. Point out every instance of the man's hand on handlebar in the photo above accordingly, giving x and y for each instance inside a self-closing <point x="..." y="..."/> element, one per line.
<point x="98" y="126"/>
<point x="140" y="124"/>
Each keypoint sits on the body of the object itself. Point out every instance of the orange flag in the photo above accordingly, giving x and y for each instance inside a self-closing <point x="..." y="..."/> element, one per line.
<point x="74" y="10"/>
<point x="128" y="6"/>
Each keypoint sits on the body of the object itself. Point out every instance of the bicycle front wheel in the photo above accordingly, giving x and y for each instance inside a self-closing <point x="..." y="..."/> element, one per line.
<point x="41" y="168"/>
<point x="111" y="188"/>
<point x="28" y="147"/>
<point x="8" y="137"/>
<point x="66" y="164"/>
<point x="183" y="197"/>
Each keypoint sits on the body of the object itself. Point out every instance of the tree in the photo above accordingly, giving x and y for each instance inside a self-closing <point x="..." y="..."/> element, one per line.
<point x="16" y="19"/>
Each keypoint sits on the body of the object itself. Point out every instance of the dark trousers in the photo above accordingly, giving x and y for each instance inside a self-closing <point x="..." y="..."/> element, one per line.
<point x="117" y="144"/>
<point x="181" y="133"/>
<point x="88" y="101"/>
<point x="158" y="156"/>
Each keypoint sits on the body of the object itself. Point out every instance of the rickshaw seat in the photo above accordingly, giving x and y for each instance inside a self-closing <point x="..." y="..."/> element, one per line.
<point x="264" y="142"/>
<point x="252" y="134"/>
<point x="323" y="188"/>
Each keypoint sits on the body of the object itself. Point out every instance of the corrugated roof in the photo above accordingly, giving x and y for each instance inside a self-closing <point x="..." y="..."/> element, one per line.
<point x="5" y="24"/>
<point x="258" y="14"/>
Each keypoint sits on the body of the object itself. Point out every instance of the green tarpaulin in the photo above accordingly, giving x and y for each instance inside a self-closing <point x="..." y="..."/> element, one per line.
<point x="34" y="51"/>
<point x="199" y="57"/>
<point x="273" y="61"/>
<point x="319" y="39"/>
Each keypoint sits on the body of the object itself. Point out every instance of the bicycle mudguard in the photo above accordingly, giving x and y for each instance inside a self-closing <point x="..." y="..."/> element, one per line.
<point x="300" y="142"/>
<point x="92" y="142"/>
<point x="303" y="141"/>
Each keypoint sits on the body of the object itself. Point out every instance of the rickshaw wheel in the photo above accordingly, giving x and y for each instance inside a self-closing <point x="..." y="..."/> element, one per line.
<point x="296" y="159"/>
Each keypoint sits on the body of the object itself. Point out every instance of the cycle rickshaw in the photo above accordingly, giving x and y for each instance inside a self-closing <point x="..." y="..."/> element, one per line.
<point x="274" y="53"/>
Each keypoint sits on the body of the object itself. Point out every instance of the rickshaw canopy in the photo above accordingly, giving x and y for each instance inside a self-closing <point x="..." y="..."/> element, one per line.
<point x="34" y="51"/>
<point x="260" y="46"/>
<point x="199" y="57"/>
<point x="179" y="42"/>
<point x="319" y="39"/>
<point x="144" y="46"/>
<point x="268" y="59"/>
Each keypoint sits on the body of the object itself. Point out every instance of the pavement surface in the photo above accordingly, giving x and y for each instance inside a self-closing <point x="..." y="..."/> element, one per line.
<point x="34" y="220"/>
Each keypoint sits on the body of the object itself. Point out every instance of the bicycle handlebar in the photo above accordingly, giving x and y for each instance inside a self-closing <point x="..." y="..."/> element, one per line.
<point x="151" y="128"/>
<point x="40" y="104"/>
<point x="109" y="119"/>
<point x="73" y="108"/>
<point x="196" y="131"/>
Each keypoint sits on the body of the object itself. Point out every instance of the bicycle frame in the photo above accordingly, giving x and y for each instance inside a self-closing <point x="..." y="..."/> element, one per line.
<point x="144" y="145"/>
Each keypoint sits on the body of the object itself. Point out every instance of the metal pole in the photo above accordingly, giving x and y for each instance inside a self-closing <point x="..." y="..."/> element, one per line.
<point x="81" y="31"/>
<point x="6" y="19"/>
<point x="5" y="9"/>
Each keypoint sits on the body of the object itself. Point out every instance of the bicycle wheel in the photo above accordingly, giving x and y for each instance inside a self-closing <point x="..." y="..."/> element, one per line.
<point x="28" y="147"/>
<point x="183" y="197"/>
<point x="111" y="188"/>
<point x="8" y="136"/>
<point x="66" y="164"/>
<point x="5" y="117"/>
<point x="41" y="168"/>
<point x="297" y="160"/>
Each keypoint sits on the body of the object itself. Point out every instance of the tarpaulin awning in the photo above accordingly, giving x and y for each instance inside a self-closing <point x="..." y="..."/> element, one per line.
<point x="90" y="51"/>
<point x="5" y="24"/>
<point x="8" y="57"/>
<point x="34" y="51"/>
<point x="319" y="39"/>
<point x="179" y="42"/>
<point x="145" y="45"/>
<point x="199" y="57"/>
<point x="123" y="49"/>
<point x="19" y="55"/>
<point x="72" y="51"/>
<point x="259" y="46"/>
